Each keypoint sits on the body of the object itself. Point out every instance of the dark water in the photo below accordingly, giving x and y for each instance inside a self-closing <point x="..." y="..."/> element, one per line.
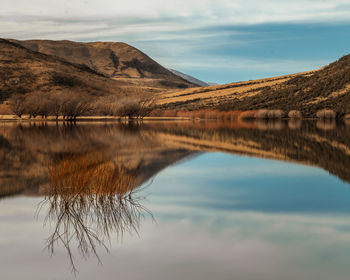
<point x="202" y="200"/>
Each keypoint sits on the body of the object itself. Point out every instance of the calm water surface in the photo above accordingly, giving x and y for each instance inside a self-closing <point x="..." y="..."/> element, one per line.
<point x="175" y="201"/>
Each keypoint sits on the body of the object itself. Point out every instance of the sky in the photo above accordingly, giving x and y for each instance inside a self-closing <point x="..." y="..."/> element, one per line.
<point x="218" y="41"/>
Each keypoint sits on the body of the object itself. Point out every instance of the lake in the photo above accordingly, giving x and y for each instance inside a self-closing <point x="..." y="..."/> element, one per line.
<point x="175" y="200"/>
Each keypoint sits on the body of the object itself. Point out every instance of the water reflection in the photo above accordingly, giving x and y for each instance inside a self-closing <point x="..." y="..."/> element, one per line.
<point x="26" y="151"/>
<point x="90" y="176"/>
<point x="89" y="199"/>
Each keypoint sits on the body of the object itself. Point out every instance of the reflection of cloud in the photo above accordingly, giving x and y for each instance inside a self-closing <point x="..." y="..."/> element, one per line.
<point x="197" y="245"/>
<point x="239" y="245"/>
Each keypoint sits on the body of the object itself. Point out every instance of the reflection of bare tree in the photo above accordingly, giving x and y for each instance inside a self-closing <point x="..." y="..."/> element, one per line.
<point x="89" y="199"/>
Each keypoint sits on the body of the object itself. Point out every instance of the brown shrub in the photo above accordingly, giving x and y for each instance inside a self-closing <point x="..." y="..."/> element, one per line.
<point x="326" y="114"/>
<point x="248" y="115"/>
<point x="270" y="114"/>
<point x="278" y="114"/>
<point x="295" y="114"/>
<point x="263" y="114"/>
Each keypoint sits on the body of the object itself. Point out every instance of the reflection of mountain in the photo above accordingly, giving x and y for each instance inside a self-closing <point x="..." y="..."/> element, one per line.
<point x="26" y="153"/>
<point x="313" y="144"/>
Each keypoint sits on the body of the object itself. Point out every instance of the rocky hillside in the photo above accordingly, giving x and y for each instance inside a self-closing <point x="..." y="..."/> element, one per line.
<point x="118" y="61"/>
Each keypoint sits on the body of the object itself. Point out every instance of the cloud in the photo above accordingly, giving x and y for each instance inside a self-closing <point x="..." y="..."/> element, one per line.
<point x="78" y="19"/>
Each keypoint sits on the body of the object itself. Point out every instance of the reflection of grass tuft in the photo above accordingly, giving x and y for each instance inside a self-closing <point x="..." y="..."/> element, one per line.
<point x="90" y="174"/>
<point x="91" y="197"/>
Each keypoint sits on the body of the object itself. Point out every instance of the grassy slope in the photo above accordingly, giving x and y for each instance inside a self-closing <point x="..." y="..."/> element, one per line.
<point x="308" y="92"/>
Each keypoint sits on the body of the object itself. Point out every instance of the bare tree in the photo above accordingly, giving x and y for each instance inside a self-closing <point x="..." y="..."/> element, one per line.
<point x="136" y="107"/>
<point x="17" y="104"/>
<point x="147" y="105"/>
<point x="74" y="105"/>
<point x="107" y="105"/>
<point x="32" y="104"/>
<point x="57" y="102"/>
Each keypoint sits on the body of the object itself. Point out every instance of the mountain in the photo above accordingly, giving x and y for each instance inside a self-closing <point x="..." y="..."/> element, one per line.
<point x="104" y="68"/>
<point x="118" y="61"/>
<point x="24" y="71"/>
<point x="189" y="78"/>
<point x="309" y="92"/>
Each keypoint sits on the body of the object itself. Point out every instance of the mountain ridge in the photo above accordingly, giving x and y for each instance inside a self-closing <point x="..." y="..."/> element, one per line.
<point x="116" y="60"/>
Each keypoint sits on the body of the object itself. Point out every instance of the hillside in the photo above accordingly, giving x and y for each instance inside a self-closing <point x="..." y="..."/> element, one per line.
<point x="115" y="60"/>
<point x="308" y="92"/>
<point x="23" y="71"/>
<point x="101" y="69"/>
<point x="216" y="95"/>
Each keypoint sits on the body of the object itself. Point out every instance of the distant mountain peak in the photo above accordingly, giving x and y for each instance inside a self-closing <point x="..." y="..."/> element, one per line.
<point x="189" y="78"/>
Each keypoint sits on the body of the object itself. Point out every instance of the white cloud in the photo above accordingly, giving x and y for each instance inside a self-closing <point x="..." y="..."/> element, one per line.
<point x="78" y="19"/>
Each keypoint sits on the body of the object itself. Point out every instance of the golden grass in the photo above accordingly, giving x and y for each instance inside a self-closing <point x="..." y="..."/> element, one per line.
<point x="213" y="94"/>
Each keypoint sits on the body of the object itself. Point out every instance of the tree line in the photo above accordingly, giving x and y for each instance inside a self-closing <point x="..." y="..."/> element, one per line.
<point x="70" y="105"/>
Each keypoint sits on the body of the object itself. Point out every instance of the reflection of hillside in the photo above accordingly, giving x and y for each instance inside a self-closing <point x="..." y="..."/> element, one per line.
<point x="310" y="143"/>
<point x="26" y="152"/>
